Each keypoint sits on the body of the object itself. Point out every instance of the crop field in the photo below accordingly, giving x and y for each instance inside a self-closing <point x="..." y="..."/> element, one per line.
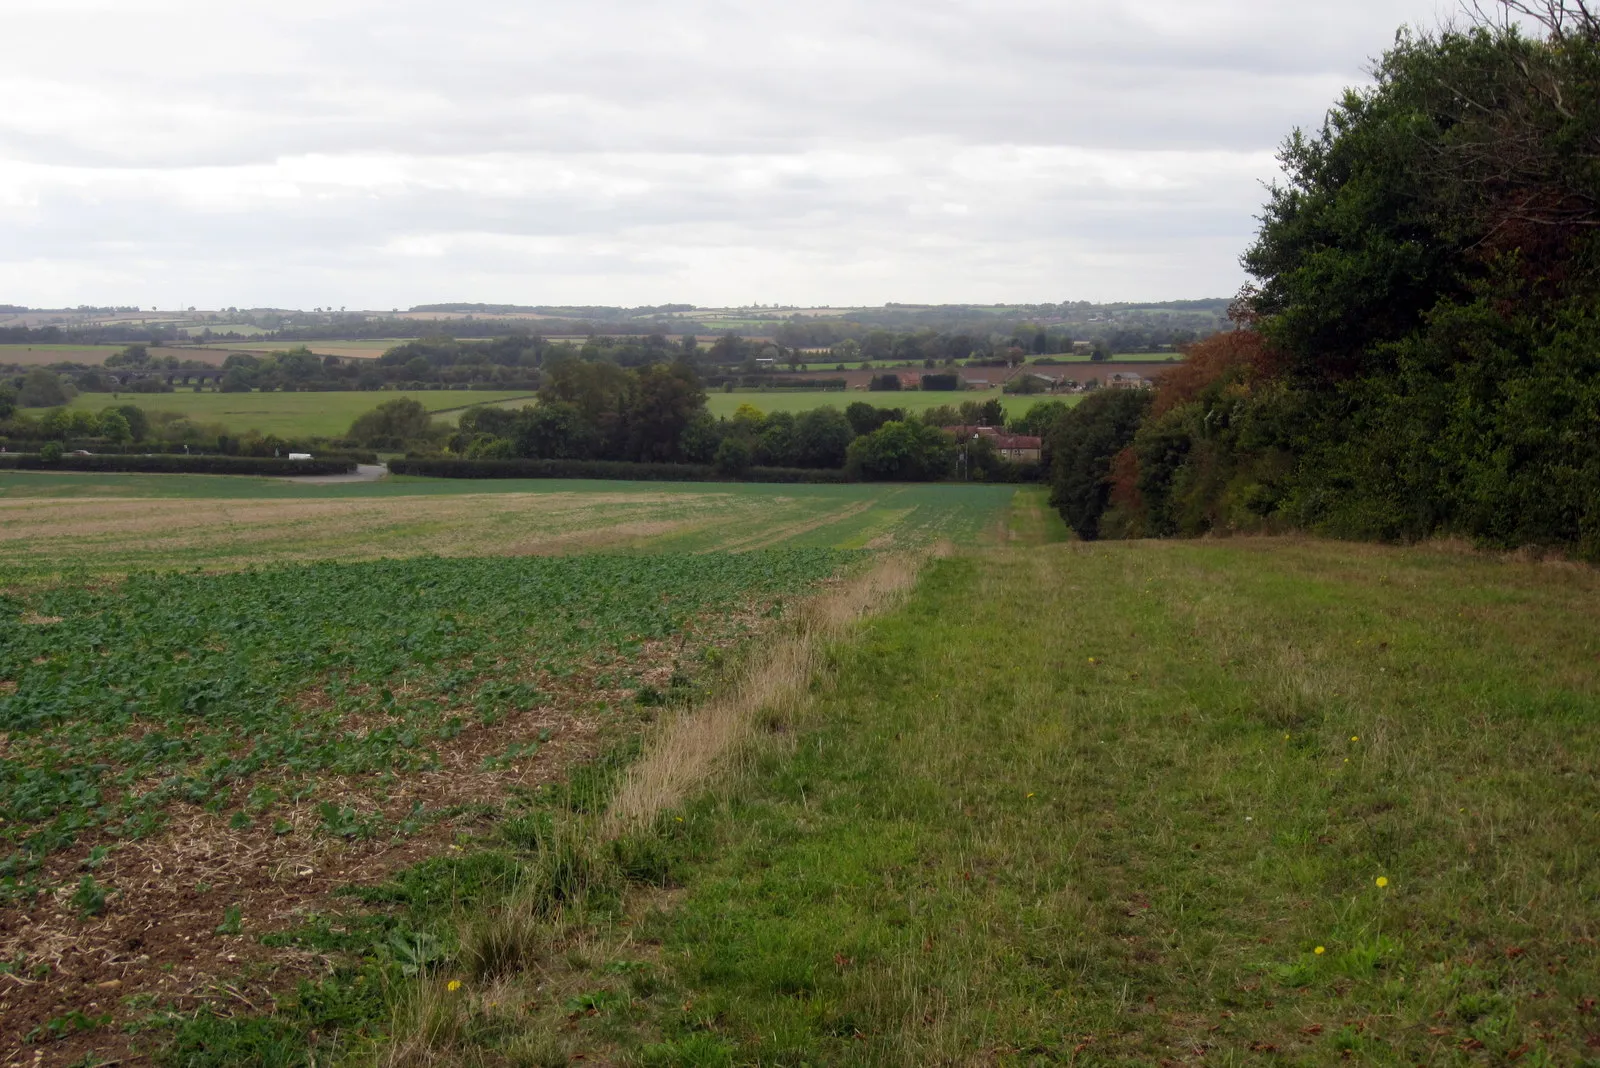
<point x="57" y="526"/>
<point x="190" y="753"/>
<point x="221" y="700"/>
<point x="289" y="414"/>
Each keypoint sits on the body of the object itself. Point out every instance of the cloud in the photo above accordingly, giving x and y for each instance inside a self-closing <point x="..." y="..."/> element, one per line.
<point x="373" y="154"/>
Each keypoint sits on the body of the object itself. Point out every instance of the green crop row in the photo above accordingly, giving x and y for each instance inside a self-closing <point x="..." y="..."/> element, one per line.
<point x="219" y="690"/>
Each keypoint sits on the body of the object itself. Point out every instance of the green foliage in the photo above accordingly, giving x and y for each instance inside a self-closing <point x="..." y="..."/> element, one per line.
<point x="1428" y="313"/>
<point x="1085" y="440"/>
<point x="42" y="389"/>
<point x="909" y="451"/>
<point x="393" y="425"/>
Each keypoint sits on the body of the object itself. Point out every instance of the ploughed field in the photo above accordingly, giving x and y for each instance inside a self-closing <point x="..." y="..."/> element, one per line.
<point x="222" y="700"/>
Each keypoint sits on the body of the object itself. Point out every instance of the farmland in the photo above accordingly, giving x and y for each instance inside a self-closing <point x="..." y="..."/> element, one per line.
<point x="52" y="525"/>
<point x="359" y="675"/>
<point x="330" y="414"/>
<point x="1108" y="797"/>
<point x="287" y="414"/>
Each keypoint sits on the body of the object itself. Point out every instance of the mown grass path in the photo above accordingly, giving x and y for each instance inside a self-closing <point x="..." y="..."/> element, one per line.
<point x="1133" y="803"/>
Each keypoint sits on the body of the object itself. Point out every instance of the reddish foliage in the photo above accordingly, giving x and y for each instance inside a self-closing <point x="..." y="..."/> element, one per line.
<point x="1206" y="361"/>
<point x="1124" y="481"/>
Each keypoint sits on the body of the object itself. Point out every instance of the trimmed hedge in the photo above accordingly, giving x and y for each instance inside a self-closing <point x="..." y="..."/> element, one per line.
<point x="605" y="469"/>
<point x="159" y="448"/>
<point x="185" y="465"/>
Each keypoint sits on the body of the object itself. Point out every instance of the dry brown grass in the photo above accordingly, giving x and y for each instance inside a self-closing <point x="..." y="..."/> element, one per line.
<point x="686" y="750"/>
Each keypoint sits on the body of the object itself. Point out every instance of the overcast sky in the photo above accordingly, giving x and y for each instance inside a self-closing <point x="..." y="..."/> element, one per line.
<point x="380" y="153"/>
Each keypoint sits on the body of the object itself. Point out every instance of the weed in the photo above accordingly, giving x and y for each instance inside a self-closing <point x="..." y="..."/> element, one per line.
<point x="90" y="897"/>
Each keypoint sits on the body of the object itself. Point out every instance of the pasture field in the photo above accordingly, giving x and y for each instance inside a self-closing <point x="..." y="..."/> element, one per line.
<point x="330" y="414"/>
<point x="54" y="527"/>
<point x="289" y="414"/>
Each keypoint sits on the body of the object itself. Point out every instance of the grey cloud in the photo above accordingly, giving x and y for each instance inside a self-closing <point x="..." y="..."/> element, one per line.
<point x="390" y="149"/>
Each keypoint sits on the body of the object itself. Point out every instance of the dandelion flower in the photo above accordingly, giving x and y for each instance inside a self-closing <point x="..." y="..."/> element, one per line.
<point x="1383" y="881"/>
<point x="453" y="985"/>
<point x="1030" y="793"/>
<point x="1355" y="737"/>
<point x="1319" y="951"/>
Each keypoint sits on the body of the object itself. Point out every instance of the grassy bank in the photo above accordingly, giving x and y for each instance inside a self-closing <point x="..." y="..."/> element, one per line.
<point x="1276" y="802"/>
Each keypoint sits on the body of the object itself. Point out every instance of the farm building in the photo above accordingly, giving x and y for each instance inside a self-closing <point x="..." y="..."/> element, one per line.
<point x="1017" y="448"/>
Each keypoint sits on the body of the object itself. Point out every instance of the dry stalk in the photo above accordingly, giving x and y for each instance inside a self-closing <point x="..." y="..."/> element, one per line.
<point x="689" y="748"/>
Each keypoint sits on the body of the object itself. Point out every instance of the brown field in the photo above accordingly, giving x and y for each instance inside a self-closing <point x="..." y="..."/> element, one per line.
<point x="353" y="350"/>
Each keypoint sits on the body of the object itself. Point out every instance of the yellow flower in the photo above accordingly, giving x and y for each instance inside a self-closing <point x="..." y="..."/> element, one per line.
<point x="1319" y="951"/>
<point x="453" y="985"/>
<point x="1092" y="660"/>
<point x="1286" y="737"/>
<point x="1355" y="737"/>
<point x="1383" y="881"/>
<point x="1030" y="794"/>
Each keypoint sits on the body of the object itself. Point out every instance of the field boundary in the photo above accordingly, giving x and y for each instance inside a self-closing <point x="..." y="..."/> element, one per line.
<point x="685" y="751"/>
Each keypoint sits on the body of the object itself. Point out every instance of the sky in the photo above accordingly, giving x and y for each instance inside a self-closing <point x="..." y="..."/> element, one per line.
<point x="385" y="153"/>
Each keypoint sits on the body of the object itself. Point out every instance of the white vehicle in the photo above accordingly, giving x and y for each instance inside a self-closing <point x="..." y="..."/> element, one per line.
<point x="299" y="456"/>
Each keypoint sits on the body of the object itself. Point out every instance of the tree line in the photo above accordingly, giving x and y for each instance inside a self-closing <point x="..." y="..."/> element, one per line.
<point x="656" y="413"/>
<point x="1420" y="352"/>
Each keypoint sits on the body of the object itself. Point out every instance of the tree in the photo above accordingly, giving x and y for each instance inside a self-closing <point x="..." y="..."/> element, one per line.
<point x="138" y="421"/>
<point x="663" y="403"/>
<point x="555" y="430"/>
<point x="42" y="389"/>
<point x="901" y="451"/>
<point x="1086" y="439"/>
<point x="113" y="426"/>
<point x="734" y="456"/>
<point x="822" y="438"/>
<point x="392" y="425"/>
<point x="8" y="402"/>
<point x="864" y="418"/>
